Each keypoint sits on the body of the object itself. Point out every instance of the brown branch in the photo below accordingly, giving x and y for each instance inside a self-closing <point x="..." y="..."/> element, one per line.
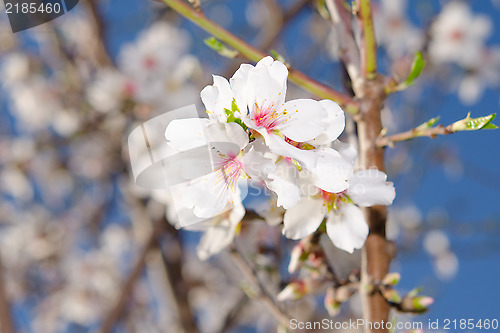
<point x="101" y="51"/>
<point x="377" y="252"/>
<point x="126" y="290"/>
<point x="179" y="286"/>
<point x="262" y="293"/>
<point x="6" y="323"/>
<point x="390" y="141"/>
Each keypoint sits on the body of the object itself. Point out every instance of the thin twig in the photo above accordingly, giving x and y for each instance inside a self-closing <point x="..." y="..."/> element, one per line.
<point x="174" y="268"/>
<point x="253" y="54"/>
<point x="257" y="285"/>
<point x="126" y="290"/>
<point x="369" y="46"/>
<point x="102" y="55"/>
<point x="349" y="51"/>
<point x="390" y="141"/>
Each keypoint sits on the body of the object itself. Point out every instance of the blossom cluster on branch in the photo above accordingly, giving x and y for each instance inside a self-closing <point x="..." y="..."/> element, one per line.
<point x="290" y="147"/>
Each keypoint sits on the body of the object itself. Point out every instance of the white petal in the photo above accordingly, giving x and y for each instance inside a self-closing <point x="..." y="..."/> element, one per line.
<point x="257" y="166"/>
<point x="207" y="196"/>
<point x="304" y="218"/>
<point x="347" y="227"/>
<point x="306" y="158"/>
<point x="221" y="233"/>
<point x="217" y="97"/>
<point x="332" y="172"/>
<point x="238" y="85"/>
<point x="265" y="86"/>
<point x="369" y="187"/>
<point x="277" y="69"/>
<point x="227" y="133"/>
<point x="285" y="183"/>
<point x="346" y="150"/>
<point x="185" y="134"/>
<point x="335" y="121"/>
<point x="303" y="119"/>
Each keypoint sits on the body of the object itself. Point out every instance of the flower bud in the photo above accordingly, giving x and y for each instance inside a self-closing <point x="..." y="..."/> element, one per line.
<point x="391" y="295"/>
<point x="416" y="304"/>
<point x="421" y="303"/>
<point x="297" y="257"/>
<point x="343" y="293"/>
<point x="331" y="304"/>
<point x="391" y="279"/>
<point x="294" y="291"/>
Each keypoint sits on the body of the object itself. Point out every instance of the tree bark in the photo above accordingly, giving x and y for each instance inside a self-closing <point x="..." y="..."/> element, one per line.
<point x="377" y="251"/>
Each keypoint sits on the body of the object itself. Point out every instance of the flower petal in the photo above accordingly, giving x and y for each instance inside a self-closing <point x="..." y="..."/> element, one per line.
<point x="347" y="227"/>
<point x="369" y="187"/>
<point x="332" y="172"/>
<point x="302" y="119"/>
<point x="335" y="123"/>
<point x="285" y="183"/>
<point x="217" y="97"/>
<point x="207" y="195"/>
<point x="304" y="218"/>
<point x="220" y="233"/>
<point x="262" y="87"/>
<point x="306" y="158"/>
<point x="257" y="166"/>
<point x="185" y="134"/>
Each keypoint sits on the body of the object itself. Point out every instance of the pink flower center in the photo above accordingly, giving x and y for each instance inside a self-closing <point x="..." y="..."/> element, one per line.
<point x="332" y="200"/>
<point x="230" y="168"/>
<point x="267" y="118"/>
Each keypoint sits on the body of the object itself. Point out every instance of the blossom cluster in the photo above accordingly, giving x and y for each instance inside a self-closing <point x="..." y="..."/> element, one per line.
<point x="289" y="147"/>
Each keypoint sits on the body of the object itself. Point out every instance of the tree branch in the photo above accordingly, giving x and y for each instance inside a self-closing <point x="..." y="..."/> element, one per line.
<point x="6" y="323"/>
<point x="263" y="294"/>
<point x="102" y="54"/>
<point x="349" y="51"/>
<point x="253" y="54"/>
<point x="369" y="46"/>
<point x="390" y="141"/>
<point x="126" y="290"/>
<point x="174" y="268"/>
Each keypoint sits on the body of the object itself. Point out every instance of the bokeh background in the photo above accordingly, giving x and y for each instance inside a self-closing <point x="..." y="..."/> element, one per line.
<point x="83" y="249"/>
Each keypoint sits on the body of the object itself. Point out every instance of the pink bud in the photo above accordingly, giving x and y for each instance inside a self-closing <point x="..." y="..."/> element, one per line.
<point x="297" y="257"/>
<point x="391" y="279"/>
<point x="422" y="302"/>
<point x="294" y="291"/>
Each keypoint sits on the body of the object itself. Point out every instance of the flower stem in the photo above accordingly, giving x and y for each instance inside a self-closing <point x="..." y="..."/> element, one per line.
<point x="253" y="54"/>
<point x="390" y="141"/>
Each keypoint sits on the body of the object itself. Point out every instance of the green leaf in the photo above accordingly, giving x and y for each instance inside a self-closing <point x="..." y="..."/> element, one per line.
<point x="220" y="48"/>
<point x="230" y="115"/>
<point x="416" y="68"/>
<point x="428" y="124"/>
<point x="474" y="124"/>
